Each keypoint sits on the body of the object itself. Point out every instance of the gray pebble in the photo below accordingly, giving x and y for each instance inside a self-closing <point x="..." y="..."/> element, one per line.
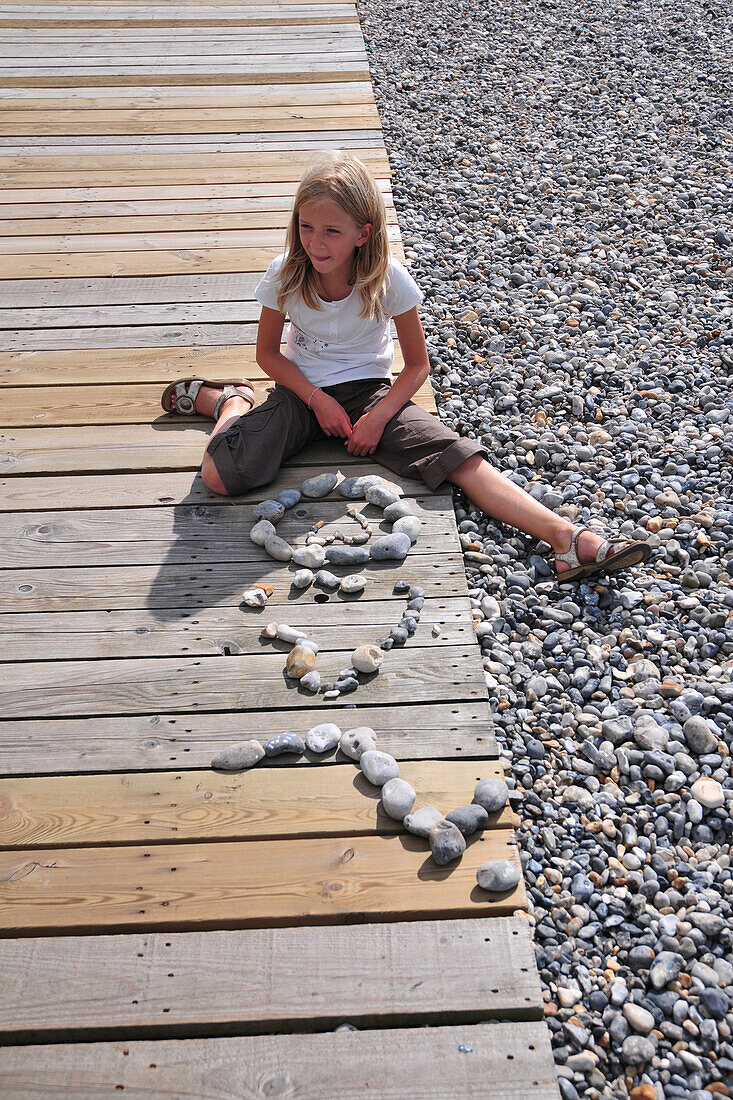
<point x="398" y="798"/>
<point x="408" y="525"/>
<point x="239" y="757"/>
<point x="302" y="578"/>
<point x="397" y="510"/>
<point x="347" y="555"/>
<point x="284" y="742"/>
<point x="469" y="819"/>
<point x="311" y="557"/>
<point x="447" y="842"/>
<point x="381" y="495"/>
<point x="261" y="531"/>
<point x="422" y="821"/>
<point x="390" y="548"/>
<point x="492" y="794"/>
<point x="318" y="486"/>
<point x="271" y="510"/>
<point x="378" y="766"/>
<point x="353" y="583"/>
<point x="497" y="876"/>
<point x="327" y="580"/>
<point x="323" y="737"/>
<point x="278" y="548"/>
<point x="311" y="681"/>
<point x="288" y="498"/>
<point x="355" y="742"/>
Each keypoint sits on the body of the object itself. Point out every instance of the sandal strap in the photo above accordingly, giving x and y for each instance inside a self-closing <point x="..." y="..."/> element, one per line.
<point x="186" y="394"/>
<point x="231" y="391"/>
<point x="571" y="554"/>
<point x="605" y="550"/>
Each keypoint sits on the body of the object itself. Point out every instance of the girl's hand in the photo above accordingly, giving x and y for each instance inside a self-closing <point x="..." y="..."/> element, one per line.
<point x="330" y="415"/>
<point x="366" y="433"/>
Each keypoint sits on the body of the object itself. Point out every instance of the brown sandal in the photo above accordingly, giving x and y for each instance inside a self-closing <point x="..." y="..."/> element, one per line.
<point x="605" y="561"/>
<point x="186" y="390"/>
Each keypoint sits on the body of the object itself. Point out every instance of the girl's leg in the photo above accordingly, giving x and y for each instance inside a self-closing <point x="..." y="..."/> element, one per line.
<point x="500" y="498"/>
<point x="231" y="410"/>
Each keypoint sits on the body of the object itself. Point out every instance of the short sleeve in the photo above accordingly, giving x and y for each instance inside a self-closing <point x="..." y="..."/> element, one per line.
<point x="402" y="292"/>
<point x="268" y="288"/>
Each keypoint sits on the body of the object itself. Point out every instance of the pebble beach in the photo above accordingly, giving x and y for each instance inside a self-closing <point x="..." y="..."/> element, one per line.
<point x="562" y="177"/>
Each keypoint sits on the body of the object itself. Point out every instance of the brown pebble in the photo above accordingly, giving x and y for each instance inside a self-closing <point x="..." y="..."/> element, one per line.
<point x="654" y="524"/>
<point x="644" y="1092"/>
<point x="266" y="588"/>
<point x="300" y="660"/>
<point x="717" y="1088"/>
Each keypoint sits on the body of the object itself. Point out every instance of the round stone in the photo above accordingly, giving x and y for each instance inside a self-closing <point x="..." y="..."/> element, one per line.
<point x="378" y="766"/>
<point x="271" y="510"/>
<point x="698" y="735"/>
<point x="367" y="658"/>
<point x="239" y="757"/>
<point x="355" y="582"/>
<point x="311" y="681"/>
<point x="447" y="842"/>
<point x="640" y="1019"/>
<point x="323" y="737"/>
<point x="300" y="660"/>
<point x="347" y="555"/>
<point x="497" y="876"/>
<point x="302" y="578"/>
<point x="408" y="525"/>
<point x="422" y="821"/>
<point x="327" y="580"/>
<point x="355" y="742"/>
<point x="262" y="531"/>
<point x="469" y="819"/>
<point x="318" y="486"/>
<point x="665" y="969"/>
<point x="397" y="510"/>
<point x="492" y="794"/>
<point x="278" y="548"/>
<point x="708" y="792"/>
<point x="398" y="798"/>
<point x="353" y="488"/>
<point x="381" y="495"/>
<point x="288" y="498"/>
<point x="636" y="1050"/>
<point x="390" y="548"/>
<point x="284" y="742"/>
<point x="254" y="597"/>
<point x="312" y="557"/>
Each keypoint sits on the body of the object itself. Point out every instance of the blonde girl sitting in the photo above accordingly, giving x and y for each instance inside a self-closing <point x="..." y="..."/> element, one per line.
<point x="338" y="287"/>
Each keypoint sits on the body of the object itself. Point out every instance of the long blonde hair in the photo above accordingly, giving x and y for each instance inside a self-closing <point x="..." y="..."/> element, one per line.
<point x="339" y="177"/>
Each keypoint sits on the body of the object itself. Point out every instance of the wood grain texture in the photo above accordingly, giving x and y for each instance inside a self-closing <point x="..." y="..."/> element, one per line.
<point x="161" y="742"/>
<point x="248" y="979"/>
<point x="508" y="1060"/>
<point x="266" y="803"/>
<point x="246" y="884"/>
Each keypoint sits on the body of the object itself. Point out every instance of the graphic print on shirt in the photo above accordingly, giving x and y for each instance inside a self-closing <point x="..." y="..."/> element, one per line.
<point x="307" y="343"/>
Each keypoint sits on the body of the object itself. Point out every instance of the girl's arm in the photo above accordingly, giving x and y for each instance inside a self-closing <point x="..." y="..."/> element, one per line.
<point x="368" y="428"/>
<point x="331" y="416"/>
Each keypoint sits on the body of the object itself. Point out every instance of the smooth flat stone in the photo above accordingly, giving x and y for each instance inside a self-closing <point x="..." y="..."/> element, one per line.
<point x="300" y="660"/>
<point x="492" y="794"/>
<point x="347" y="685"/>
<point x="367" y="658"/>
<point x="311" y="681"/>
<point x="303" y="640"/>
<point x="254" y="597"/>
<point x="347" y="555"/>
<point x="401" y="588"/>
<point x="239" y="757"/>
<point x="446" y="842"/>
<point x="326" y="579"/>
<point x="312" y="557"/>
<point x="287" y="633"/>
<point x="323" y="737"/>
<point x="497" y="876"/>
<point x="398" y="635"/>
<point x="708" y="792"/>
<point x="390" y="548"/>
<point x="284" y="742"/>
<point x="269" y="631"/>
<point x="355" y="742"/>
<point x="288" y="498"/>
<point x="378" y="767"/>
<point x="408" y="525"/>
<point x="318" y="486"/>
<point x="332" y="693"/>
<point x="278" y="548"/>
<point x="381" y="495"/>
<point x="398" y="798"/>
<point x="262" y="531"/>
<point x="302" y="578"/>
<point x="355" y="582"/>
<point x="422" y="821"/>
<point x="397" y="510"/>
<point x="354" y="488"/>
<point x="272" y="510"/>
<point x="469" y="819"/>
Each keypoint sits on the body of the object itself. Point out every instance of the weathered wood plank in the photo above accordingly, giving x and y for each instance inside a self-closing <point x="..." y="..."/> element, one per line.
<point x="250" y="979"/>
<point x="134" y="447"/>
<point x="277" y="95"/>
<point x="162" y="742"/>
<point x="508" y="1060"/>
<point x="194" y="533"/>
<point x="289" y="73"/>
<point x="246" y="884"/>
<point x="140" y="633"/>
<point x="311" y="140"/>
<point x="167" y="586"/>
<point x="265" y="163"/>
<point x="275" y="19"/>
<point x="256" y="191"/>
<point x="263" y="804"/>
<point x="254" y="682"/>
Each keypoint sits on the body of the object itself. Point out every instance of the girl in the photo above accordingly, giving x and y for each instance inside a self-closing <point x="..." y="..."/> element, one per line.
<point x="339" y="287"/>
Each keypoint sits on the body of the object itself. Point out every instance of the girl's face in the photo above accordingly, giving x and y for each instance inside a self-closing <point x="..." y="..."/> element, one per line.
<point x="330" y="237"/>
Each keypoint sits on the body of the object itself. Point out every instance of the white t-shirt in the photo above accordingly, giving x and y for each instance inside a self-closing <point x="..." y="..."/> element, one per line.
<point x="336" y="344"/>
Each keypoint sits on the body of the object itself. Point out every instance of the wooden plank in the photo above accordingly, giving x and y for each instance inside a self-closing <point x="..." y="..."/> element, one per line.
<point x="127" y="404"/>
<point x="274" y="19"/>
<point x="38" y="166"/>
<point x="194" y="533"/>
<point x="230" y="311"/>
<point x="257" y="191"/>
<point x="53" y="746"/>
<point x="511" y="1060"/>
<point x="140" y="633"/>
<point x="163" y="446"/>
<point x="263" y="804"/>
<point x="254" y="682"/>
<point x="284" y="73"/>
<point x="167" y="586"/>
<point x="87" y="48"/>
<point x="251" y="982"/>
<point x="210" y="96"/>
<point x="312" y="141"/>
<point x="246" y="884"/>
<point x="136" y="364"/>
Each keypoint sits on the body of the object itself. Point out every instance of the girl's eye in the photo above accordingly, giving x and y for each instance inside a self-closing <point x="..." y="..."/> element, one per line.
<point x="334" y="230"/>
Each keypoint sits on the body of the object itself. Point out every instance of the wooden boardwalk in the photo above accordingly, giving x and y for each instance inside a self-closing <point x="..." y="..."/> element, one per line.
<point x="168" y="930"/>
